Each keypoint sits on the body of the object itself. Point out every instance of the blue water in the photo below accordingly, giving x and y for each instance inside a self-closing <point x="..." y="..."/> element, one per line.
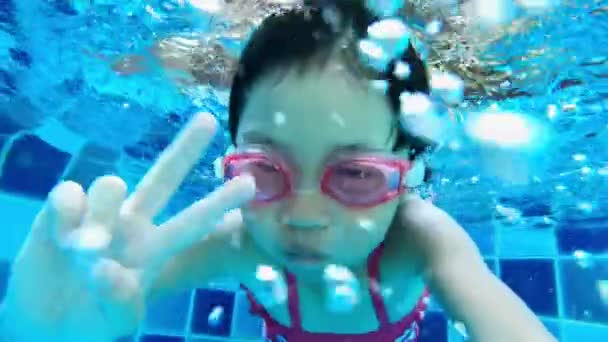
<point x="65" y="114"/>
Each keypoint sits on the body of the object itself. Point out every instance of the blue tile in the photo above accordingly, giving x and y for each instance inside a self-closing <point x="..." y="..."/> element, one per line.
<point x="168" y="314"/>
<point x="585" y="283"/>
<point x="124" y="339"/>
<point x="8" y="126"/>
<point x="484" y="237"/>
<point x="246" y="324"/>
<point x="32" y="167"/>
<point x="7" y="13"/>
<point x="534" y="281"/>
<point x="525" y="242"/>
<point x="161" y="338"/>
<point x="205" y="302"/>
<point x="532" y="206"/>
<point x="4" y="273"/>
<point x="8" y="83"/>
<point x="593" y="240"/>
<point x="3" y="140"/>
<point x="91" y="162"/>
<point x="574" y="331"/>
<point x="554" y="328"/>
<point x="491" y="264"/>
<point x="434" y="328"/>
<point x="455" y="334"/>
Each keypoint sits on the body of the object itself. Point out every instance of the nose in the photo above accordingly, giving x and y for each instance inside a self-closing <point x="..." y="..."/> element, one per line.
<point x="306" y="210"/>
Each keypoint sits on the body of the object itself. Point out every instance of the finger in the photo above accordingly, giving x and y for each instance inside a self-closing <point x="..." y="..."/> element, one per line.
<point x="64" y="210"/>
<point x="195" y="222"/>
<point x="105" y="198"/>
<point x="173" y="165"/>
<point x="106" y="195"/>
<point x="232" y="220"/>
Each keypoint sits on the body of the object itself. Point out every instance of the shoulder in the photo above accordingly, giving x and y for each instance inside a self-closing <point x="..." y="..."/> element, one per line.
<point x="423" y="231"/>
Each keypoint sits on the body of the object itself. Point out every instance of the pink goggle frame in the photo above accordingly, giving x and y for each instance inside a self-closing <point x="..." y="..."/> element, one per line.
<point x="360" y="181"/>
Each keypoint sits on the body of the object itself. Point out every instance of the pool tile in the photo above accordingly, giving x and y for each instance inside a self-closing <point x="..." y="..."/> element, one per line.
<point x="591" y="239"/>
<point x="554" y="328"/>
<point x="125" y="339"/>
<point x="585" y="288"/>
<point x="207" y="300"/>
<point x="32" y="167"/>
<point x="3" y="140"/>
<point x="534" y="281"/>
<point x="169" y="314"/>
<point x="454" y="335"/>
<point x="492" y="264"/>
<point x="579" y="331"/>
<point x="246" y="325"/>
<point x="434" y="328"/>
<point x="8" y="125"/>
<point x="58" y="135"/>
<point x="91" y="162"/>
<point x="523" y="241"/>
<point x="4" y="274"/>
<point x="161" y="338"/>
<point x="484" y="236"/>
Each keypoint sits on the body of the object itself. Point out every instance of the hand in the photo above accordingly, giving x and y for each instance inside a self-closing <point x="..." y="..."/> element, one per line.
<point x="96" y="254"/>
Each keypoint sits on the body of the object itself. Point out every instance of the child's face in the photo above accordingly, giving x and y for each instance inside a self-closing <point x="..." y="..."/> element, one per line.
<point x="306" y="120"/>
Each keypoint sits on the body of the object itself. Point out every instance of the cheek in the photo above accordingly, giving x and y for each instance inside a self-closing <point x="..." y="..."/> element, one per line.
<point x="262" y="223"/>
<point x="367" y="226"/>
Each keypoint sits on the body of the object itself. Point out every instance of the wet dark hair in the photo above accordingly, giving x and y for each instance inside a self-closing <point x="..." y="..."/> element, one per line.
<point x="306" y="37"/>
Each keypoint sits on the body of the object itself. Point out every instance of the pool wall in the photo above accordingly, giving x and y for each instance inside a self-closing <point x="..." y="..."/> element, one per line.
<point x="567" y="289"/>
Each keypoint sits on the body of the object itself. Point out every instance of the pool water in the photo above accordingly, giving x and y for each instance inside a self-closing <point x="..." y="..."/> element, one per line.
<point x="531" y="190"/>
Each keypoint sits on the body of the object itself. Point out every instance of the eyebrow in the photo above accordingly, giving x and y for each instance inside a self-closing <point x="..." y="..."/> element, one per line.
<point x="259" y="138"/>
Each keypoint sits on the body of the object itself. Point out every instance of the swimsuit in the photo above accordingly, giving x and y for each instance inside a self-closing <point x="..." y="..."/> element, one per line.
<point x="406" y="329"/>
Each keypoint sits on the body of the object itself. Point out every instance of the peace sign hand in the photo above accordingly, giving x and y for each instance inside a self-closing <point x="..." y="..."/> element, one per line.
<point x="97" y="253"/>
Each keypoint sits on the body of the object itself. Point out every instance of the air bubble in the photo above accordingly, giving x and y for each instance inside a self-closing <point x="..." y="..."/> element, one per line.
<point x="492" y="12"/>
<point x="379" y="85"/>
<point x="585" y="206"/>
<point x="216" y="316"/>
<point x="384" y="8"/>
<point x="209" y="6"/>
<point x="579" y="157"/>
<point x="583" y="258"/>
<point x="392" y="35"/>
<point x="537" y="6"/>
<point x="373" y="55"/>
<point x="366" y="224"/>
<point x="273" y="289"/>
<point x="447" y="87"/>
<point x="342" y="289"/>
<point x="279" y="118"/>
<point x="433" y="28"/>
<point x="402" y="70"/>
<point x="420" y="117"/>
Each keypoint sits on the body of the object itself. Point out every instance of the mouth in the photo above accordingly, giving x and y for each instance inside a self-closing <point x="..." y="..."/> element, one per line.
<point x="305" y="255"/>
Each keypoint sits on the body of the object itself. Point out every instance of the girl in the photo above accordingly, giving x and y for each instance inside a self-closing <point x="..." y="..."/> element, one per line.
<point x="328" y="244"/>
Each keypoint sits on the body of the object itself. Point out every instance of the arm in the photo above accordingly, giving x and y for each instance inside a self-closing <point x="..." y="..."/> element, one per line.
<point x="468" y="290"/>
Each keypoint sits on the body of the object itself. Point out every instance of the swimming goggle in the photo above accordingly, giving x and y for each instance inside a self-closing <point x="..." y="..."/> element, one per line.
<point x="353" y="180"/>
